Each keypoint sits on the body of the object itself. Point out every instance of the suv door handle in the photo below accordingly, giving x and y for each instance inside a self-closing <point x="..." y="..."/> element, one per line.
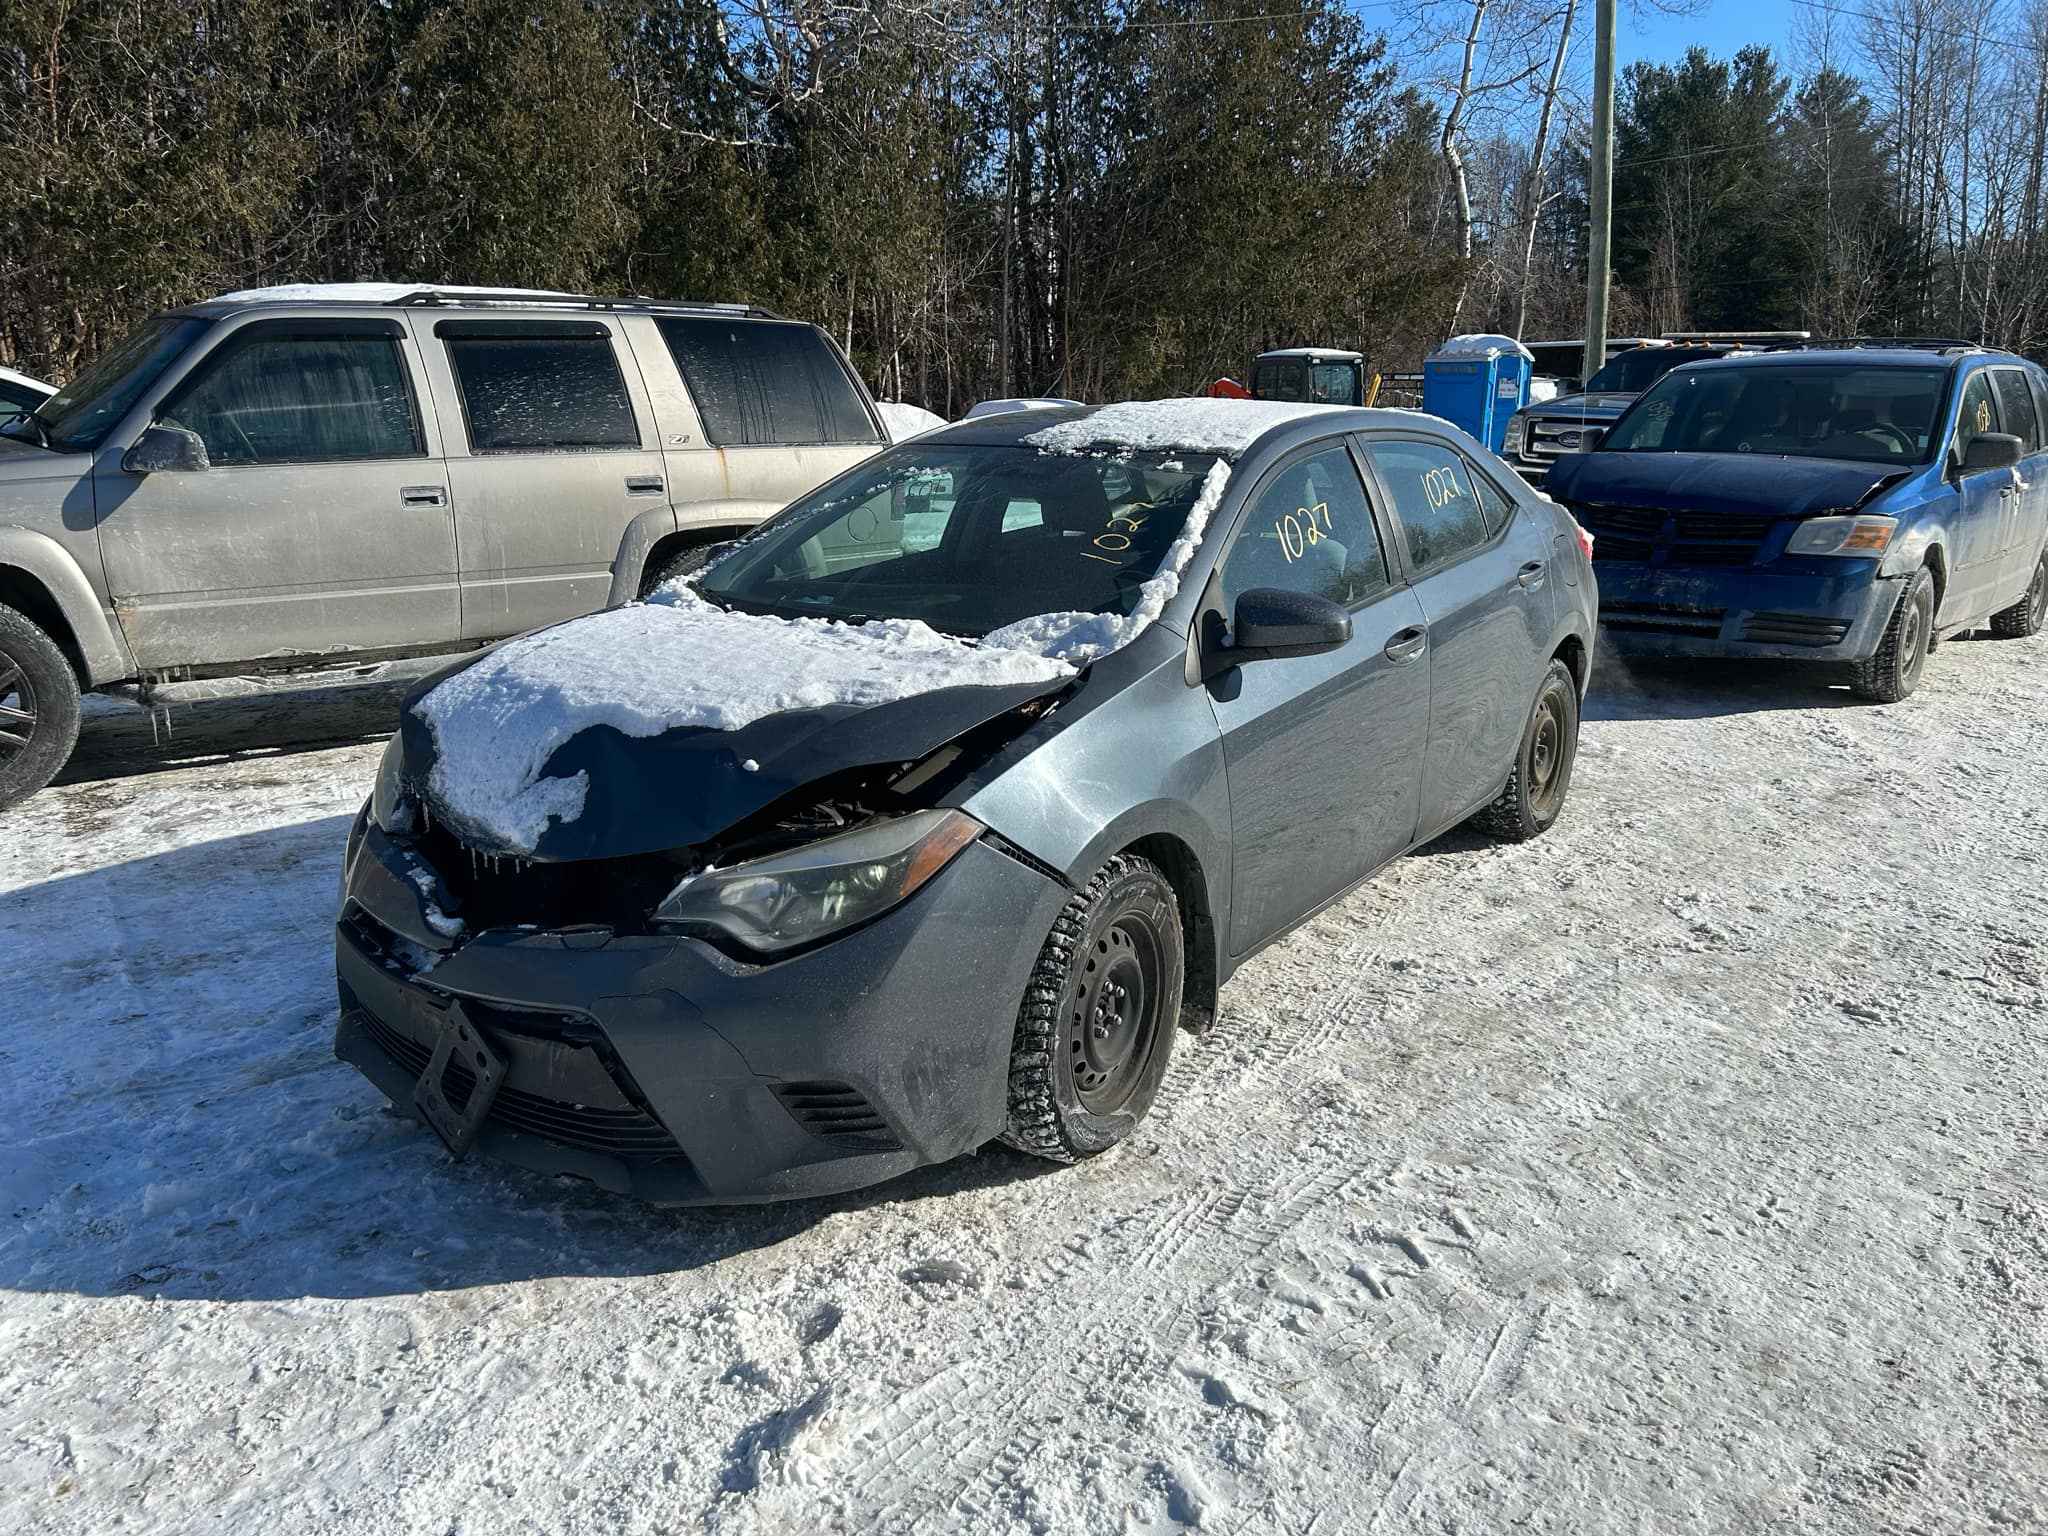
<point x="644" y="485"/>
<point x="423" y="495"/>
<point x="1530" y="577"/>
<point x="1407" y="645"/>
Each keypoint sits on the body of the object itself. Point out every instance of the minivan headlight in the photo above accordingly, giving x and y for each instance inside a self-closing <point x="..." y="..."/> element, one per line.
<point x="1860" y="536"/>
<point x="794" y="898"/>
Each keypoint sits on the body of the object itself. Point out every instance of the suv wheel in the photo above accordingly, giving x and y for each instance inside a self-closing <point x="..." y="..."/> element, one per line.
<point x="1542" y="775"/>
<point x="687" y="561"/>
<point x="1096" y="1029"/>
<point x="2024" y="617"/>
<point x="1894" y="671"/>
<point x="38" y="707"/>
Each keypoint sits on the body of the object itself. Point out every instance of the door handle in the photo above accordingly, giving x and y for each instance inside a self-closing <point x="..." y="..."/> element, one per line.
<point x="423" y="495"/>
<point x="1530" y="577"/>
<point x="644" y="485"/>
<point x="1407" y="645"/>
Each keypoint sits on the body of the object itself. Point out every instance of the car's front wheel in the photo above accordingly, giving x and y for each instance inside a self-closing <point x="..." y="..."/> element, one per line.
<point x="1096" y="1029"/>
<point x="38" y="707"/>
<point x="2025" y="617"/>
<point x="1542" y="775"/>
<point x="1894" y="671"/>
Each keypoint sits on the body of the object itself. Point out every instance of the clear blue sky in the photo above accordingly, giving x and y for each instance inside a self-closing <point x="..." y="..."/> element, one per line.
<point x="1721" y="27"/>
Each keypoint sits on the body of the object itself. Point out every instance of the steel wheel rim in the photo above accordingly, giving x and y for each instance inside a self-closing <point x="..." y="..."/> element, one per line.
<point x="1548" y="751"/>
<point x="17" y="708"/>
<point x="2037" y="594"/>
<point x="1114" y="1015"/>
<point x="1913" y="641"/>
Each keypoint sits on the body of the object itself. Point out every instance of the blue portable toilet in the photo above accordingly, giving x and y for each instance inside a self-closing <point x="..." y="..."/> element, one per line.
<point x="1477" y="382"/>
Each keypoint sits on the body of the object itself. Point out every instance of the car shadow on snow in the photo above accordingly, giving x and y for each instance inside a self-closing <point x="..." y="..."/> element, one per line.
<point x="173" y="1122"/>
<point x="120" y="738"/>
<point x="1637" y="688"/>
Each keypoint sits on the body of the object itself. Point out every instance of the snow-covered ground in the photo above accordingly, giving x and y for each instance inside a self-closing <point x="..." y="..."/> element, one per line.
<point x="1681" y="1171"/>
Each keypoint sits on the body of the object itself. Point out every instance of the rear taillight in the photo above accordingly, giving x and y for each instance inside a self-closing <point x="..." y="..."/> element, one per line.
<point x="1585" y="540"/>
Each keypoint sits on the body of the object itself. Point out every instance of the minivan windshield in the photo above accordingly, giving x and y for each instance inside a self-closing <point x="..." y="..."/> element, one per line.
<point x="1874" y="415"/>
<point x="966" y="538"/>
<point x="81" y="414"/>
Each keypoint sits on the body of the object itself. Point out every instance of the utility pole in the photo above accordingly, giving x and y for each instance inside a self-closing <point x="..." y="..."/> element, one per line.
<point x="1601" y="177"/>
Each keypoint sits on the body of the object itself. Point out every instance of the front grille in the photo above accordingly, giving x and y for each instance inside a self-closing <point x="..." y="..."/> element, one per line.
<point x="1546" y="434"/>
<point x="494" y="891"/>
<point x="836" y="1111"/>
<point x="1794" y="629"/>
<point x="1688" y="540"/>
<point x="1663" y="618"/>
<point x="619" y="1132"/>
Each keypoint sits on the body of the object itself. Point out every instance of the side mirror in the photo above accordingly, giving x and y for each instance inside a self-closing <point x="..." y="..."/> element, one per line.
<point x="1273" y="623"/>
<point x="1591" y="438"/>
<point x="171" y="448"/>
<point x="1991" y="450"/>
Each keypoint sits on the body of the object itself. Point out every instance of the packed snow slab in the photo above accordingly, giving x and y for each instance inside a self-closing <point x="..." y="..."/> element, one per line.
<point x="1195" y="424"/>
<point x="1482" y="347"/>
<point x="653" y="667"/>
<point x="906" y="421"/>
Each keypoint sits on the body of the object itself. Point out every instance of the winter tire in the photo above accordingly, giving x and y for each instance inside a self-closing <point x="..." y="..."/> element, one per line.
<point x="684" y="562"/>
<point x="2024" y="617"/>
<point x="38" y="707"/>
<point x="1096" y="1029"/>
<point x="1894" y="671"/>
<point x="1542" y="774"/>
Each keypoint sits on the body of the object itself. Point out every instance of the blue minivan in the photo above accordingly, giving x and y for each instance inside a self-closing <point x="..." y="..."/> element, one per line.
<point x="1855" y="503"/>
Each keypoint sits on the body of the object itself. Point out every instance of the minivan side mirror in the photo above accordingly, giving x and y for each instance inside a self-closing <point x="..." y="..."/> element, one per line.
<point x="166" y="448"/>
<point x="1991" y="450"/>
<point x="1271" y="622"/>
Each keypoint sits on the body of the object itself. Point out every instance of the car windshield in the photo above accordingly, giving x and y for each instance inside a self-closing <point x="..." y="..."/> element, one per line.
<point x="1874" y="415"/>
<point x="967" y="538"/>
<point x="82" y="413"/>
<point x="1635" y="371"/>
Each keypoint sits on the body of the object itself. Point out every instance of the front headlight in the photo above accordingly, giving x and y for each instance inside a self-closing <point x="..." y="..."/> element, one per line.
<point x="1512" y="443"/>
<point x="794" y="898"/>
<point x="1866" y="537"/>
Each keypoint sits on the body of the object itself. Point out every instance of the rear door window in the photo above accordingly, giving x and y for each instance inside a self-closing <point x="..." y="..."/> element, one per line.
<point x="2016" y="404"/>
<point x="1434" y="495"/>
<point x="766" y="382"/>
<point x="539" y="391"/>
<point x="300" y="398"/>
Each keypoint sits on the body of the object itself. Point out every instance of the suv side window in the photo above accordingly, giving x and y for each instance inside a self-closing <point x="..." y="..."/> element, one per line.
<point x="2016" y="404"/>
<point x="300" y="398"/>
<point x="549" y="389"/>
<point x="1309" y="529"/>
<point x="1978" y="413"/>
<point x="766" y="382"/>
<point x="1435" y="494"/>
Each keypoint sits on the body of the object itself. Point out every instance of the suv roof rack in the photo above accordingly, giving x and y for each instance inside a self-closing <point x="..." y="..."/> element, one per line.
<point x="1899" y="343"/>
<point x="457" y="297"/>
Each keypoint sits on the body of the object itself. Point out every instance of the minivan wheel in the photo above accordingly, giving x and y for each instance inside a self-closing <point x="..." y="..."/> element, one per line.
<point x="1542" y="774"/>
<point x="38" y="707"/>
<point x="1096" y="1029"/>
<point x="2024" y="617"/>
<point x="1894" y="671"/>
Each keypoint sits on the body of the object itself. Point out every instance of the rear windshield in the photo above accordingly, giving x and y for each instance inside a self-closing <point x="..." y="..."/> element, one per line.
<point x="84" y="411"/>
<point x="1811" y="411"/>
<point x="1635" y="371"/>
<point x="1293" y="378"/>
<point x="966" y="538"/>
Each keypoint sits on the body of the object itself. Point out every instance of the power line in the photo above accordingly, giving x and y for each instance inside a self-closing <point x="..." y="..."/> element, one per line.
<point x="1928" y="26"/>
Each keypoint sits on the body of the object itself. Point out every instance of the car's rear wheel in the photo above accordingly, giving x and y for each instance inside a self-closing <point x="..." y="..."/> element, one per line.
<point x="2025" y="617"/>
<point x="1096" y="1029"/>
<point x="38" y="707"/>
<point x="1894" y="671"/>
<point x="1542" y="775"/>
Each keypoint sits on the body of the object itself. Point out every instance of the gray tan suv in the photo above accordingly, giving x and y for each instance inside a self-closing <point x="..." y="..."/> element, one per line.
<point x="289" y="477"/>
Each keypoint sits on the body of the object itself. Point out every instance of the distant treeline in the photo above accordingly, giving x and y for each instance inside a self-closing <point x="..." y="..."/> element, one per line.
<point x="1090" y="197"/>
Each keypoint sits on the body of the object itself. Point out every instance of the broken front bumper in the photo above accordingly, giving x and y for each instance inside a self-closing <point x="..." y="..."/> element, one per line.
<point x="1838" y="614"/>
<point x="659" y="1067"/>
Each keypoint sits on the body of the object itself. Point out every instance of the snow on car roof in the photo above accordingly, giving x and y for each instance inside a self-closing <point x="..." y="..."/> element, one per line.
<point x="1198" y="425"/>
<point x="1329" y="352"/>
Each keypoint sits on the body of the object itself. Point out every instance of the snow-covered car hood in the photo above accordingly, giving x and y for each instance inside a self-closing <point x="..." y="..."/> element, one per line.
<point x="1739" y="484"/>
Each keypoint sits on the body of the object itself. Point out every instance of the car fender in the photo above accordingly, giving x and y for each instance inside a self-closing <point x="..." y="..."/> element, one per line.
<point x="95" y="641"/>
<point x="1923" y="528"/>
